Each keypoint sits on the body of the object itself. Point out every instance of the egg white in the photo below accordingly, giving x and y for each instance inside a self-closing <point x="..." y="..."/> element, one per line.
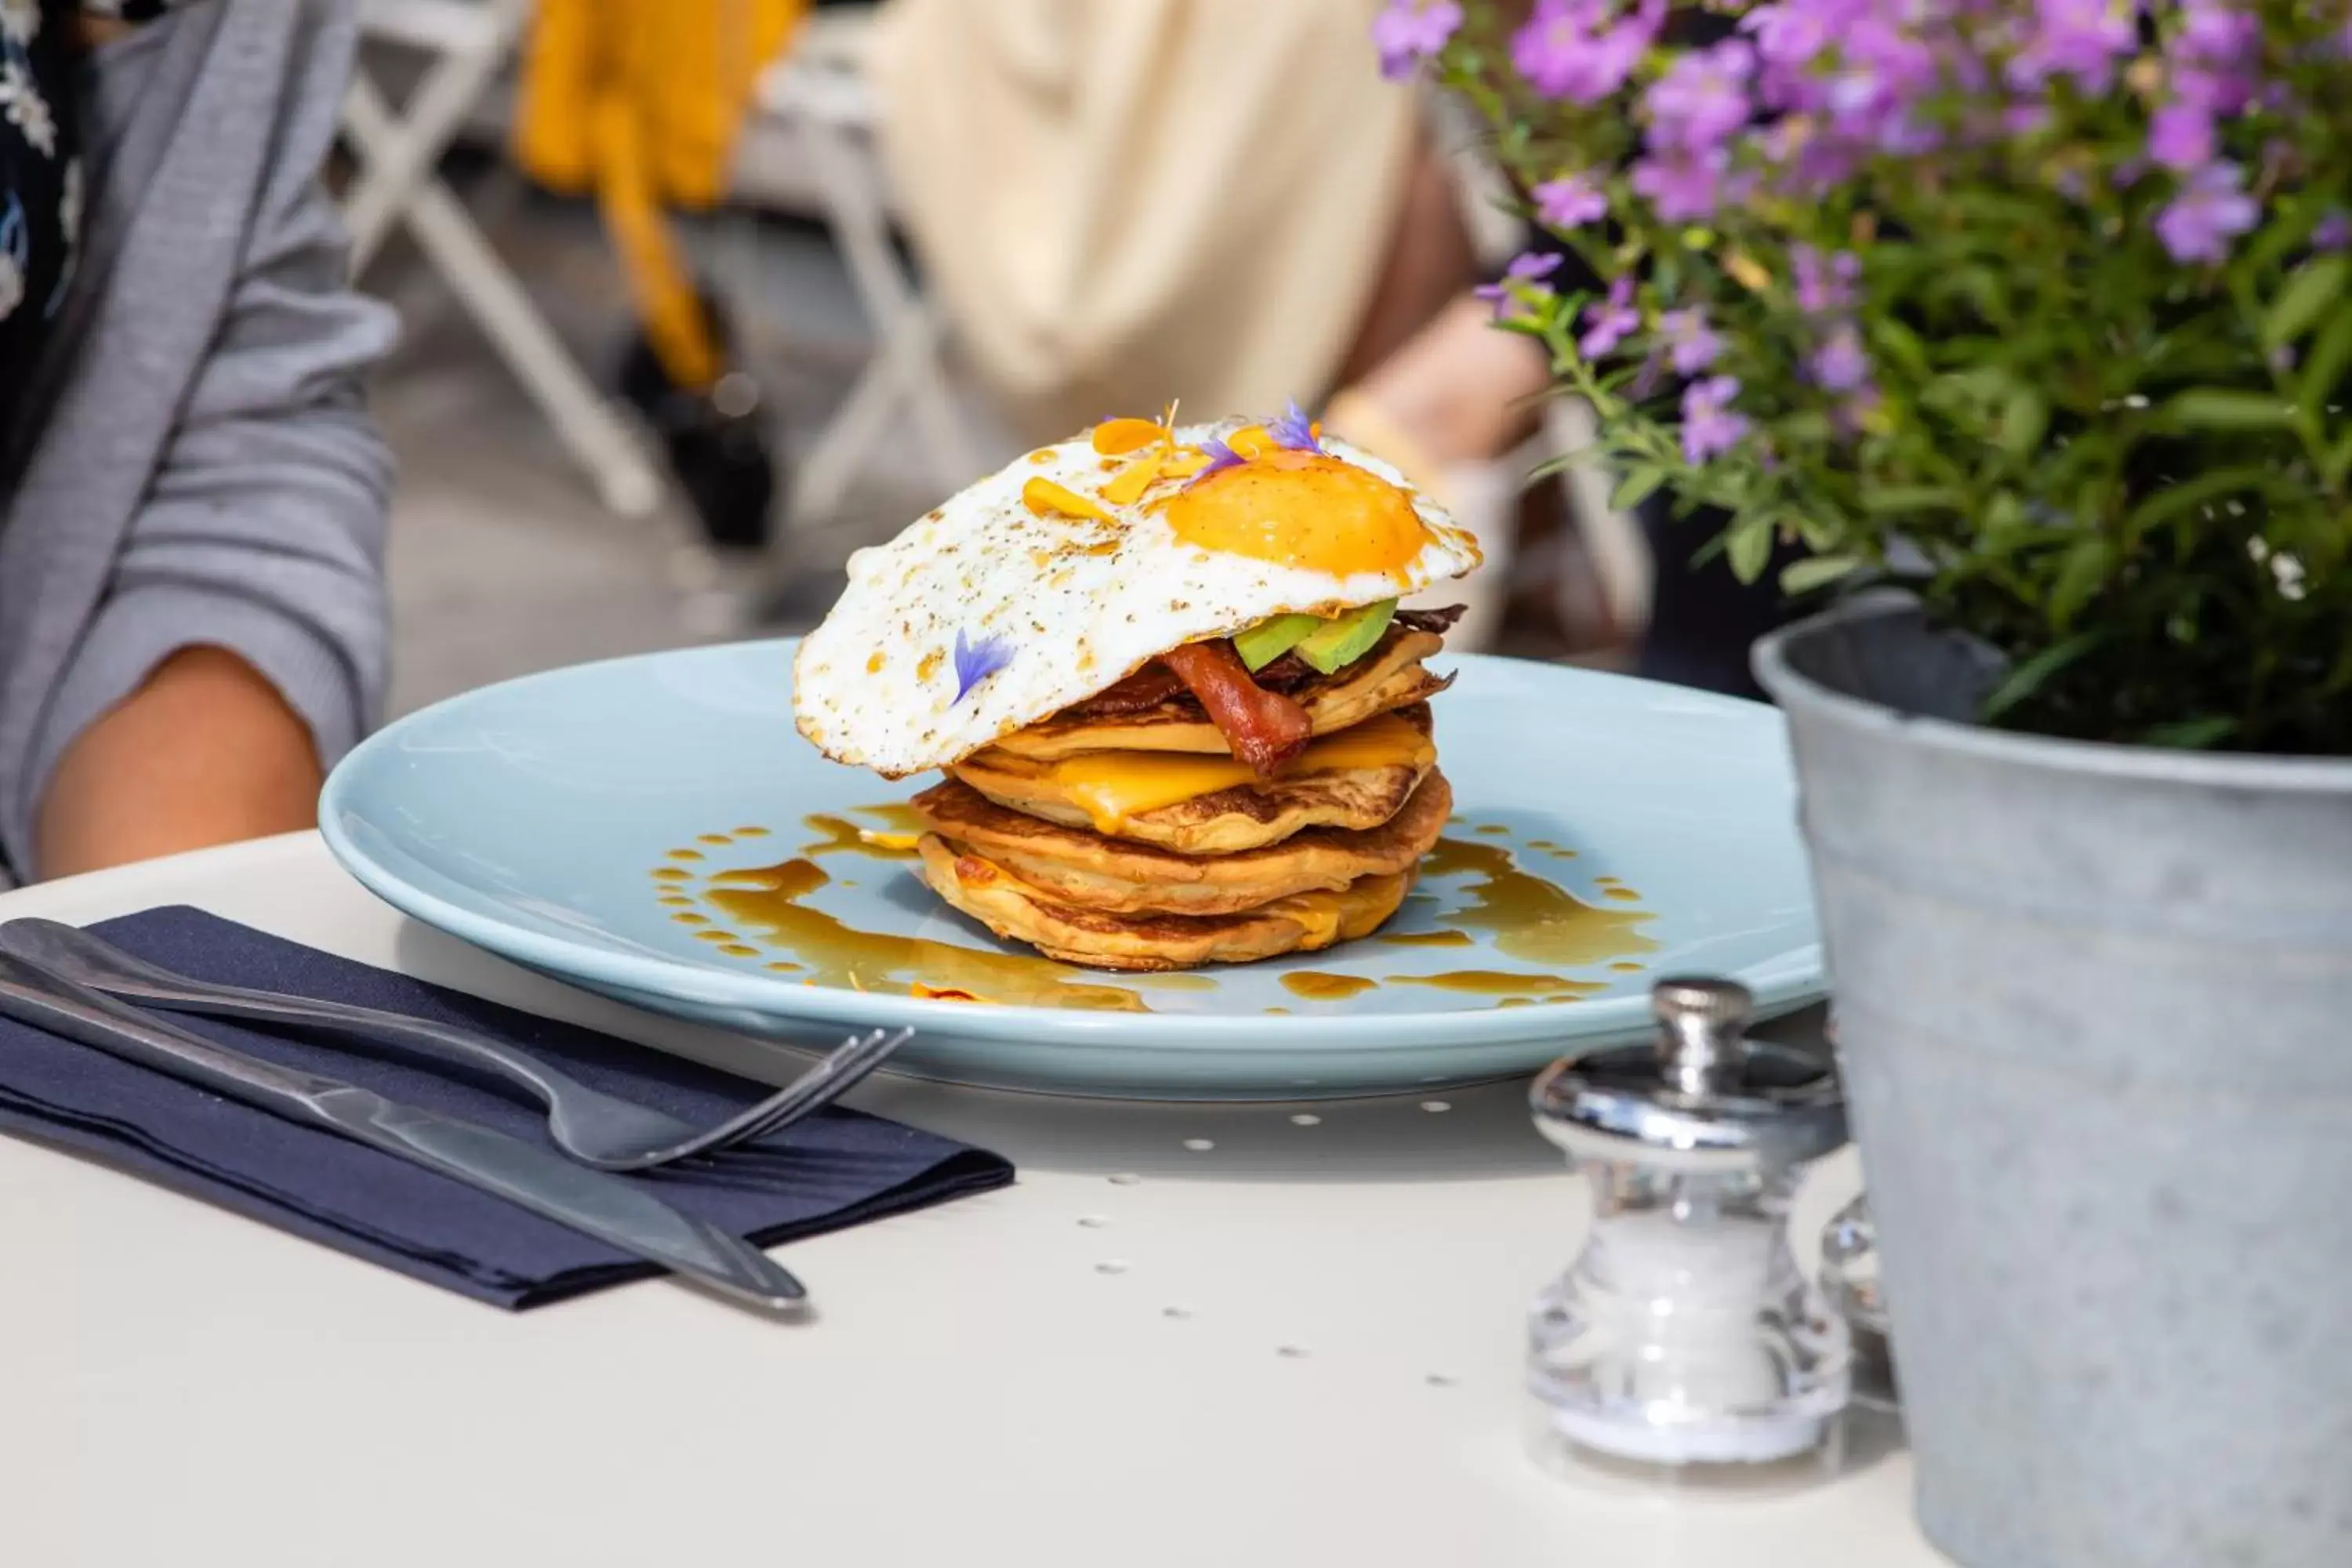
<point x="1081" y="603"/>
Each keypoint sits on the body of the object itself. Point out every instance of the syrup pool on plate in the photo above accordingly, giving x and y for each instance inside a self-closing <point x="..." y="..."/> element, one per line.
<point x="1474" y="882"/>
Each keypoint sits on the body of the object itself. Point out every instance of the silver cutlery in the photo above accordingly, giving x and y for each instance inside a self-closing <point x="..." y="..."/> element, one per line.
<point x="590" y="1125"/>
<point x="547" y="1185"/>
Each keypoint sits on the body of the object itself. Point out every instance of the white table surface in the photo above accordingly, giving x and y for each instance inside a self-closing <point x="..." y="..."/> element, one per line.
<point x="1300" y="1346"/>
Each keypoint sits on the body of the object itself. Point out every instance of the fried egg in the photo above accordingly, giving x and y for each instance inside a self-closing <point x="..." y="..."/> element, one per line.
<point x="1079" y="563"/>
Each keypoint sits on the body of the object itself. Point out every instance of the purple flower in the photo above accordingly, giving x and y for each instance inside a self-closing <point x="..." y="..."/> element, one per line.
<point x="2333" y="232"/>
<point x="1884" y="68"/>
<point x="2181" y="136"/>
<point x="2216" y="92"/>
<point x="2025" y="119"/>
<point x="1692" y="346"/>
<point x="1294" y="430"/>
<point x="1808" y="155"/>
<point x="1569" y="201"/>
<point x="1684" y="185"/>
<point x="2218" y="32"/>
<point x="1608" y="322"/>
<point x="1794" y="32"/>
<point x="1702" y="98"/>
<point x="1839" y="364"/>
<point x="1825" y="286"/>
<point x="1221" y="457"/>
<point x="2216" y="55"/>
<point x="1411" y="31"/>
<point x="976" y="662"/>
<point x="2212" y="207"/>
<point x="2079" y="39"/>
<point x="1709" y="426"/>
<point x="1578" y="49"/>
<point x="1521" y="276"/>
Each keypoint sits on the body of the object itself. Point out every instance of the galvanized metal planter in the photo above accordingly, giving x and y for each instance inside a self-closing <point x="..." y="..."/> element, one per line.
<point x="2094" y="1010"/>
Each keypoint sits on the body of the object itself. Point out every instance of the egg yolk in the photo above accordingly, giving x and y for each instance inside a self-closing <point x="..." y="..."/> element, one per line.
<point x="1303" y="510"/>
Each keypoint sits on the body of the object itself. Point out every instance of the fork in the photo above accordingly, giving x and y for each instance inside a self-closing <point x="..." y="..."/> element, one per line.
<point x="592" y="1127"/>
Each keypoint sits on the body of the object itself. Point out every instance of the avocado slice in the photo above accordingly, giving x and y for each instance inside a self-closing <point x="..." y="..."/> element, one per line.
<point x="1268" y="640"/>
<point x="1336" y="644"/>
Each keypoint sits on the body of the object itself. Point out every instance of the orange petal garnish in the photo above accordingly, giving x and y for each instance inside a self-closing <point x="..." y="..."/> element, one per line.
<point x="1043" y="496"/>
<point x="1250" y="441"/>
<point x="1115" y="436"/>
<point x="1136" y="478"/>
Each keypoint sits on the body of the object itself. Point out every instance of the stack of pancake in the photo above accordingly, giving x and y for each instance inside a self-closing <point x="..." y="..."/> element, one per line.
<point x="1124" y="833"/>
<point x="1183" y="717"/>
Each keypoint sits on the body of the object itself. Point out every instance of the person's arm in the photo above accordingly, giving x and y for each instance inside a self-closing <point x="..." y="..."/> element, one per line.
<point x="241" y="646"/>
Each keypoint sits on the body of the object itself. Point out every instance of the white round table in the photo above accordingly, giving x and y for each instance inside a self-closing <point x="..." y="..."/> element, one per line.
<point x="1194" y="1336"/>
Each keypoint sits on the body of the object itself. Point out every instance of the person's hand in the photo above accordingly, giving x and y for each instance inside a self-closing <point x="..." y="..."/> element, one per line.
<point x="205" y="752"/>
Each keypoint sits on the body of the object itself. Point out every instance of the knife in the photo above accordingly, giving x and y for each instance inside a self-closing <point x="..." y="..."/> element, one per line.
<point x="588" y="1201"/>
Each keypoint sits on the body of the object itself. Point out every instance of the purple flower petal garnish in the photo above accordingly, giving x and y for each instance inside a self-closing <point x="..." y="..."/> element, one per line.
<point x="1220" y="457"/>
<point x="1294" y="430"/>
<point x="976" y="662"/>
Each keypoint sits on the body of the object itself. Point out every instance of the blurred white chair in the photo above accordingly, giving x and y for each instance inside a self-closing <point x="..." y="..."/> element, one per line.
<point x="817" y="103"/>
<point x="469" y="42"/>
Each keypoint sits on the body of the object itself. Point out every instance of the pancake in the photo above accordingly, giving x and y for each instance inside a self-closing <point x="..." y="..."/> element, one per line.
<point x="1221" y="821"/>
<point x="1073" y="866"/>
<point x="1014" y="911"/>
<point x="1384" y="680"/>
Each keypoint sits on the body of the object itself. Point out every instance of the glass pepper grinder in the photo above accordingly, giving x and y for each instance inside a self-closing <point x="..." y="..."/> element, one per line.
<point x="1683" y="1336"/>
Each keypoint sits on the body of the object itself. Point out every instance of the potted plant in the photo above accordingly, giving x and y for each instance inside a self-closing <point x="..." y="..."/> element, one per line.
<point x="2042" y="311"/>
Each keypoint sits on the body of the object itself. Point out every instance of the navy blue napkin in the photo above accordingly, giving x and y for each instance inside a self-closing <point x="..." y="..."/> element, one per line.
<point x="837" y="1169"/>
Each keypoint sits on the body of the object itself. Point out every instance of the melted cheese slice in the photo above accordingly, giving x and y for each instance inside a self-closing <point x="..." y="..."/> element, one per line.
<point x="1327" y="917"/>
<point x="1112" y="786"/>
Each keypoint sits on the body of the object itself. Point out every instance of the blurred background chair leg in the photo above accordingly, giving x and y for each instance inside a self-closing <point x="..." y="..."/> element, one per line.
<point x="468" y="42"/>
<point x="817" y="95"/>
<point x="396" y="185"/>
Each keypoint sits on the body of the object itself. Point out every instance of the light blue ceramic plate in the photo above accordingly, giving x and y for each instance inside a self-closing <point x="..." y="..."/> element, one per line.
<point x="1607" y="831"/>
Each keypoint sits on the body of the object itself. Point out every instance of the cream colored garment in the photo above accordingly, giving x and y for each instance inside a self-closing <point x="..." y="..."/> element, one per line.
<point x="1125" y="201"/>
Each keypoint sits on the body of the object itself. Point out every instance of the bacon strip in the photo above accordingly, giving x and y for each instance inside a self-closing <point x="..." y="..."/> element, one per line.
<point x="1261" y="728"/>
<point x="1439" y="621"/>
<point x="1145" y="690"/>
<point x="1155" y="683"/>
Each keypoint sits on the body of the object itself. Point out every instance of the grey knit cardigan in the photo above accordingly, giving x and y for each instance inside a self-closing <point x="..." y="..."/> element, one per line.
<point x="195" y="467"/>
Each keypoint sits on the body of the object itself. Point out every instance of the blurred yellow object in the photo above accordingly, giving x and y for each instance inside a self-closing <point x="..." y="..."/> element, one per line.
<point x="640" y="103"/>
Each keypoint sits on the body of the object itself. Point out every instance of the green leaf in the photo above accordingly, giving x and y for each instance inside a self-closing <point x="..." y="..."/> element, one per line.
<point x="2029" y="676"/>
<point x="1750" y="546"/>
<point x="2083" y="571"/>
<point x="2283" y="237"/>
<point x="1638" y="487"/>
<point x="1902" y="346"/>
<point x="1820" y="534"/>
<point x="2339" y="460"/>
<point x="1885" y="498"/>
<point x="2190" y="735"/>
<point x="2218" y="409"/>
<point x="1804" y="427"/>
<point x="2189" y="496"/>
<point x="1804" y="576"/>
<point x="2310" y="289"/>
<point x="2024" y="422"/>
<point x="2323" y="372"/>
